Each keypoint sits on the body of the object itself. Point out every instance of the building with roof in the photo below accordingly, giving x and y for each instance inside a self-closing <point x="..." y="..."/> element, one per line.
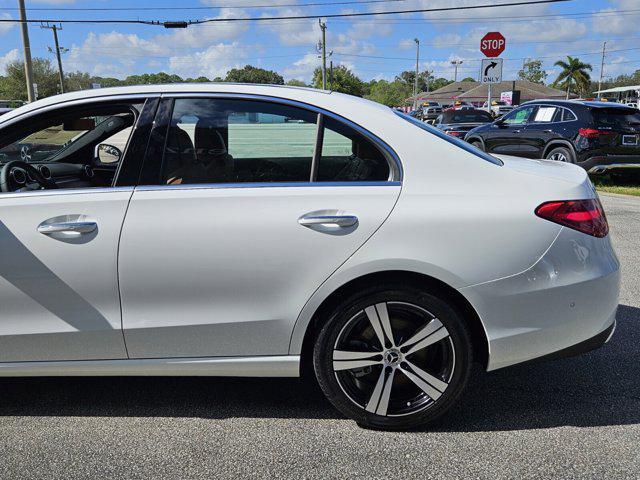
<point x="476" y="93"/>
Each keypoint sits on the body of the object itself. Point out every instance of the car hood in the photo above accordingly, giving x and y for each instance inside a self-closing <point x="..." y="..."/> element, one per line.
<point x="550" y="169"/>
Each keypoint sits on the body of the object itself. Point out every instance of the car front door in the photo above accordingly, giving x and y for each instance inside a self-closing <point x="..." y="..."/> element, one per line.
<point x="59" y="296"/>
<point x="505" y="136"/>
<point x="230" y="238"/>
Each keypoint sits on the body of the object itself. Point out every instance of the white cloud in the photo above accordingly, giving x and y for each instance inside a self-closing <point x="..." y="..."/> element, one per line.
<point x="303" y="68"/>
<point x="10" y="56"/>
<point x="213" y="62"/>
<point x="6" y="26"/>
<point x="617" y="24"/>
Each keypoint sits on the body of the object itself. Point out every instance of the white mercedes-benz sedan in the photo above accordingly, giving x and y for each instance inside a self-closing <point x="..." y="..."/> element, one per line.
<point x="246" y="230"/>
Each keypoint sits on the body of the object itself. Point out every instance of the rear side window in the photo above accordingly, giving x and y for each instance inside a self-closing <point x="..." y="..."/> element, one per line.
<point x="348" y="156"/>
<point x="568" y="115"/>
<point x="545" y="114"/>
<point x="616" y="117"/>
<point x="221" y="140"/>
<point x="456" y="141"/>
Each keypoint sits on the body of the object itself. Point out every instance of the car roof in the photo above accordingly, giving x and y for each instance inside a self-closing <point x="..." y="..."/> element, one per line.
<point x="585" y="103"/>
<point x="326" y="99"/>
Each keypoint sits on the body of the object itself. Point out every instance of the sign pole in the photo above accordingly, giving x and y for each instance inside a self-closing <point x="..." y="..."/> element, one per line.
<point x="489" y="99"/>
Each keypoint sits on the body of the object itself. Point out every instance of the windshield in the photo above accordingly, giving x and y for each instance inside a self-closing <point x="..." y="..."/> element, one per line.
<point x="616" y="117"/>
<point x="448" y="138"/>
<point x="462" y="116"/>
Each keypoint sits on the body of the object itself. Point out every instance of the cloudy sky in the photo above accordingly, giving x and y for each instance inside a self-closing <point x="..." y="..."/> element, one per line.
<point x="374" y="47"/>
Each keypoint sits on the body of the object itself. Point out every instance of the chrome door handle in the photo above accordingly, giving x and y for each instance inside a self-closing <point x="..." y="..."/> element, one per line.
<point x="67" y="227"/>
<point x="330" y="220"/>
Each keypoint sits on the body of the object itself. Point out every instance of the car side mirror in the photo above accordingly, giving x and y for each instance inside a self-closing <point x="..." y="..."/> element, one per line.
<point x="106" y="153"/>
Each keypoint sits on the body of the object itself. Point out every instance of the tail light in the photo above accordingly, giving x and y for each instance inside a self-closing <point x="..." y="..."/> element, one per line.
<point x="594" y="132"/>
<point x="455" y="134"/>
<point x="586" y="216"/>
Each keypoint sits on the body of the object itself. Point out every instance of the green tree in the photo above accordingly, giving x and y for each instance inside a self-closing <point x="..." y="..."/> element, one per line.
<point x="532" y="71"/>
<point x="443" y="82"/>
<point x="14" y="85"/>
<point x="251" y="74"/>
<point x="408" y="77"/>
<point x="392" y="94"/>
<point x="573" y="72"/>
<point x="200" y="79"/>
<point x="468" y="79"/>
<point x="343" y="80"/>
<point x="296" y="83"/>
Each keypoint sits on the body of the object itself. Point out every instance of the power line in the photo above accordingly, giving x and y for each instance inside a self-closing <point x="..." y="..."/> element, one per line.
<point x="184" y="23"/>
<point x="201" y="8"/>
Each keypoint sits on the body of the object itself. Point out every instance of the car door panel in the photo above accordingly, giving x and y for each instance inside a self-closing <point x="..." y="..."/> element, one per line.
<point x="226" y="271"/>
<point x="59" y="292"/>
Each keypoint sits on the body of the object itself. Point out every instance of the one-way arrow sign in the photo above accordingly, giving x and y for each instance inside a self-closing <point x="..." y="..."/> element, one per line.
<point x="491" y="70"/>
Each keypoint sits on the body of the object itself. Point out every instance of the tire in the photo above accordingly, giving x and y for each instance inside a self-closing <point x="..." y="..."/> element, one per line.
<point x="477" y="144"/>
<point x="385" y="390"/>
<point x="560" y="154"/>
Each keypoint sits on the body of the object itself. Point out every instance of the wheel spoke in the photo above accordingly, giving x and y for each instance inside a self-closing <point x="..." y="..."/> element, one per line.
<point x="430" y="390"/>
<point x="374" y="319"/>
<point x="379" y="401"/>
<point x="427" y="377"/>
<point x="345" y="360"/>
<point x="383" y="314"/>
<point x="432" y="338"/>
<point x="424" y="332"/>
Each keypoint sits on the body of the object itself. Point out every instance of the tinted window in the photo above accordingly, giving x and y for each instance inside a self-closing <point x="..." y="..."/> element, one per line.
<point x="568" y="115"/>
<point x="616" y="117"/>
<point x="518" y="116"/>
<point x="348" y="156"/>
<point x="456" y="141"/>
<point x="462" y="116"/>
<point x="232" y="141"/>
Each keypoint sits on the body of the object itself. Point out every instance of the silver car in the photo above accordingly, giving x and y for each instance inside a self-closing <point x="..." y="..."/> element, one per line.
<point x="243" y="230"/>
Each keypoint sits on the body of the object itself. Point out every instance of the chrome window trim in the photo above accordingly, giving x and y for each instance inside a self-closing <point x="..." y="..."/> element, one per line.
<point x="396" y="171"/>
<point x="218" y="186"/>
<point x="63" y="191"/>
<point x="77" y="102"/>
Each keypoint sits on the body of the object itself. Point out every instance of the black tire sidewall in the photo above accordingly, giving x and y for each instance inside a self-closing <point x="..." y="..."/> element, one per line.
<point x="447" y="314"/>
<point x="565" y="150"/>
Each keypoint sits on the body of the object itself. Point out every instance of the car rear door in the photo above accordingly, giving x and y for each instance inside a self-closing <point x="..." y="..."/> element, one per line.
<point x="229" y="238"/>
<point x="542" y="127"/>
<point x="59" y="296"/>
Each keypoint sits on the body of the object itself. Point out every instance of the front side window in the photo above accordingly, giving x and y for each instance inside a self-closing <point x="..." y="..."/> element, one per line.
<point x="68" y="143"/>
<point x="220" y="140"/>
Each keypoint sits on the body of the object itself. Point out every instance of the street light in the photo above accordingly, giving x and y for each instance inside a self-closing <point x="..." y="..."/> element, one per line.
<point x="455" y="63"/>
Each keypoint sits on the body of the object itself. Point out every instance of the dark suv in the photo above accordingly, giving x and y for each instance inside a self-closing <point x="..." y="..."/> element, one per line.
<point x="598" y="136"/>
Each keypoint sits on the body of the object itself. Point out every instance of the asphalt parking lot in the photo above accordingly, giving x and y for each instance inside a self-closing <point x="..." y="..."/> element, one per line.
<point x="573" y="418"/>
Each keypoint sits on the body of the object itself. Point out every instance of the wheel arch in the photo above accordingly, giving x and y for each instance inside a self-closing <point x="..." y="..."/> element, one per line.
<point x="479" y="139"/>
<point x="559" y="143"/>
<point x="427" y="282"/>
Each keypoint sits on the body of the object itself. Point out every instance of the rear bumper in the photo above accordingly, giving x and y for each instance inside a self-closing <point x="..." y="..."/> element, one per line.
<point x="565" y="300"/>
<point x="604" y="163"/>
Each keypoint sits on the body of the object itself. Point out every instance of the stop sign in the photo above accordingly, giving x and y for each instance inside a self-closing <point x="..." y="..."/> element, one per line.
<point x="492" y="44"/>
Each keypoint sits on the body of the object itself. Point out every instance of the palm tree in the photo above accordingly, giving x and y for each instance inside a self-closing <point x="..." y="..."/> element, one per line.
<point x="573" y="71"/>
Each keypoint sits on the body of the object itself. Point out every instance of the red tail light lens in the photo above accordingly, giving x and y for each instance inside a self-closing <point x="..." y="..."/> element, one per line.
<point x="455" y="134"/>
<point x="593" y="132"/>
<point x="586" y="216"/>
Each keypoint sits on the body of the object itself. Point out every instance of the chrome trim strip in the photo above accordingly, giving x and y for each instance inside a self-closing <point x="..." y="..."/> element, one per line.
<point x="64" y="191"/>
<point x="76" y="102"/>
<point x="396" y="173"/>
<point x="266" y="366"/>
<point x="616" y="166"/>
<point x="204" y="186"/>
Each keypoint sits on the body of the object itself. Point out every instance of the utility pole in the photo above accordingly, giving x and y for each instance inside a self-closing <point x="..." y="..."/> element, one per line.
<point x="330" y="74"/>
<point x="58" y="52"/>
<point x="28" y="68"/>
<point x="455" y="64"/>
<point x="604" y="49"/>
<point x="323" y="27"/>
<point x="415" y="83"/>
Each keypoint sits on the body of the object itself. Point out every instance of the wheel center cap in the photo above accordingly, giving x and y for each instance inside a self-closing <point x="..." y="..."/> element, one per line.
<point x="392" y="357"/>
